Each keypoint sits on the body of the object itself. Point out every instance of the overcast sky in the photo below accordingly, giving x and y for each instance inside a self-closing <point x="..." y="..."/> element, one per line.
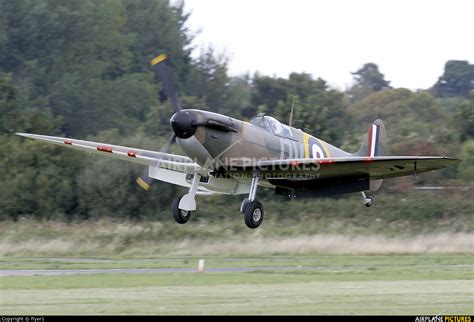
<point x="409" y="40"/>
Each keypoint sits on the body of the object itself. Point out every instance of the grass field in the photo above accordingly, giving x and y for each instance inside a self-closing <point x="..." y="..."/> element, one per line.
<point x="126" y="239"/>
<point x="325" y="284"/>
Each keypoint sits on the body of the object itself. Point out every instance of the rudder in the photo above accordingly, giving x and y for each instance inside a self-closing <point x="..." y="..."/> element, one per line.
<point x="374" y="142"/>
<point x="374" y="145"/>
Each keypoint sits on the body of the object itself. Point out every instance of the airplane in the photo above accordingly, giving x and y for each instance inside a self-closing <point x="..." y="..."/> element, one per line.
<point x="233" y="157"/>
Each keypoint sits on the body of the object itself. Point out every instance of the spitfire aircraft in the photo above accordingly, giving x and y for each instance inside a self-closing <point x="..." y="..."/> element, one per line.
<point x="229" y="156"/>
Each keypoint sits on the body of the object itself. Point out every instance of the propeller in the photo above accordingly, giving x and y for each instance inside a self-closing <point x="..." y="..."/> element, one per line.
<point x="164" y="75"/>
<point x="169" y="89"/>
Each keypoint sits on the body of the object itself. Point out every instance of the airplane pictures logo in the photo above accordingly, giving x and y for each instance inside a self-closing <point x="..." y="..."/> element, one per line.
<point x="444" y="318"/>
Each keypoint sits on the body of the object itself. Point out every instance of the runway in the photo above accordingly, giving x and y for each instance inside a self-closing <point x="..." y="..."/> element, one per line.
<point x="84" y="271"/>
<point x="33" y="272"/>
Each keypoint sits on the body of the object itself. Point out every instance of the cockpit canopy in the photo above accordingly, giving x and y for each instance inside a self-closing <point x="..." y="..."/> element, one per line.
<point x="272" y="125"/>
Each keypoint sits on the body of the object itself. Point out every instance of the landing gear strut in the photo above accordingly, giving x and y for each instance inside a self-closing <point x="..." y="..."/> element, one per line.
<point x="252" y="208"/>
<point x="182" y="206"/>
<point x="368" y="200"/>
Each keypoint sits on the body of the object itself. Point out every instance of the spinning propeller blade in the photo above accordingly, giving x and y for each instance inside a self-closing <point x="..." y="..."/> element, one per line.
<point x="169" y="89"/>
<point x="163" y="72"/>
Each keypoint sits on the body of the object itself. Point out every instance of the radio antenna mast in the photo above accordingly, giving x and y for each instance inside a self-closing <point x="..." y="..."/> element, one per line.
<point x="291" y="113"/>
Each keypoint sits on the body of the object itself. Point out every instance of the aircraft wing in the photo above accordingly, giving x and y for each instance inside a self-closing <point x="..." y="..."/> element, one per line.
<point x="168" y="161"/>
<point x="382" y="167"/>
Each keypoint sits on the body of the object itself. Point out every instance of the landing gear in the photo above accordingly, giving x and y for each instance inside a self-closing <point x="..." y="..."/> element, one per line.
<point x="252" y="208"/>
<point x="182" y="206"/>
<point x="180" y="216"/>
<point x="368" y="200"/>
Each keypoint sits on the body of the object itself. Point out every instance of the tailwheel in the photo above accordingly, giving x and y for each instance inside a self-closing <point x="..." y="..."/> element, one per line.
<point x="368" y="200"/>
<point x="253" y="214"/>
<point x="180" y="216"/>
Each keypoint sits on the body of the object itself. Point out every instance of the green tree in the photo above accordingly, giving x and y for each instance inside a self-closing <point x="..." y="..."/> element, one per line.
<point x="368" y="80"/>
<point x="457" y="79"/>
<point x="34" y="178"/>
<point x="466" y="167"/>
<point x="209" y="83"/>
<point x="324" y="116"/>
<point x="209" y="80"/>
<point x="238" y="99"/>
<point x="267" y="92"/>
<point x="465" y="118"/>
<point x="158" y="27"/>
<point x="319" y="110"/>
<point x="409" y="117"/>
<point x="73" y="69"/>
<point x="11" y="118"/>
<point x="16" y="117"/>
<point x="88" y="61"/>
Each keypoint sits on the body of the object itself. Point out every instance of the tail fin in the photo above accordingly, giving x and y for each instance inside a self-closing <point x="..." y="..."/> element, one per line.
<point x="374" y="142"/>
<point x="374" y="145"/>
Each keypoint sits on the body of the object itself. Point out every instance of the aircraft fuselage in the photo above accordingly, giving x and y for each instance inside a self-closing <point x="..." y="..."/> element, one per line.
<point x="213" y="139"/>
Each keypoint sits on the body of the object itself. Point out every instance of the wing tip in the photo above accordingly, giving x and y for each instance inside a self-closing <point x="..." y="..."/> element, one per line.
<point x="449" y="158"/>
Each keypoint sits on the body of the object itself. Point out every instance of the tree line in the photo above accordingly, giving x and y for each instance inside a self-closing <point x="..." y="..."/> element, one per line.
<point x="81" y="69"/>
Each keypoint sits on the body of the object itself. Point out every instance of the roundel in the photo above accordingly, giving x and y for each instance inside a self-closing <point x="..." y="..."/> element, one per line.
<point x="315" y="149"/>
<point x="317" y="152"/>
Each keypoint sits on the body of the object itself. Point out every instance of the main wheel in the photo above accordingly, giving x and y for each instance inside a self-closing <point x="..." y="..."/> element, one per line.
<point x="253" y="214"/>
<point x="180" y="216"/>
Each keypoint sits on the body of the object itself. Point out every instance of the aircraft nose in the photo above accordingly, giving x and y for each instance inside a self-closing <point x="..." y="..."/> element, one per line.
<point x="184" y="124"/>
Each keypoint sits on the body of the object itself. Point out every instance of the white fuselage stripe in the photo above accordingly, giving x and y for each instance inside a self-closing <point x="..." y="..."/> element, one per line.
<point x="374" y="135"/>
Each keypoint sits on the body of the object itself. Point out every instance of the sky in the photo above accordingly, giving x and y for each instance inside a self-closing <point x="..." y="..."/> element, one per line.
<point x="410" y="41"/>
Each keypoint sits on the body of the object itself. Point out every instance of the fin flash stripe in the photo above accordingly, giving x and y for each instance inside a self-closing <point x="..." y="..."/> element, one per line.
<point x="373" y="140"/>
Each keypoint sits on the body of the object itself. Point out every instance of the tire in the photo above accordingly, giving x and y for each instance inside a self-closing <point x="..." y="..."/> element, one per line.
<point x="368" y="202"/>
<point x="253" y="215"/>
<point x="179" y="215"/>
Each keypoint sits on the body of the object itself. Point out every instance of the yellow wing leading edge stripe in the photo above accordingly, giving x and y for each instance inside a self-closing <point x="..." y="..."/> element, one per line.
<point x="306" y="145"/>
